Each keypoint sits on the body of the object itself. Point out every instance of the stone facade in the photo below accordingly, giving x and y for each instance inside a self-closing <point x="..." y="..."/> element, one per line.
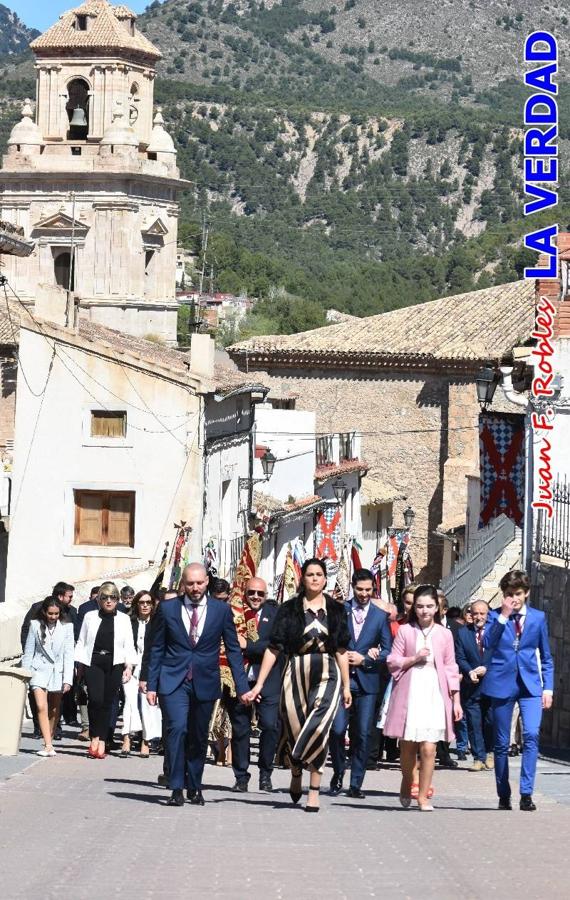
<point x="99" y="200"/>
<point x="550" y="592"/>
<point x="409" y="422"/>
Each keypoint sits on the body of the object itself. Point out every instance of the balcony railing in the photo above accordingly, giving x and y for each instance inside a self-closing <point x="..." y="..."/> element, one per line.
<point x="553" y="535"/>
<point x="324" y="450"/>
<point x="477" y="561"/>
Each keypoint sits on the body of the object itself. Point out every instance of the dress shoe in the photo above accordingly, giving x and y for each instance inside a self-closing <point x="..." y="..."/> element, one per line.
<point x="196" y="798"/>
<point x="36" y="734"/>
<point x="176" y="798"/>
<point x="461" y="756"/>
<point x="526" y="803"/>
<point x="240" y="787"/>
<point x="513" y="750"/>
<point x="84" y="735"/>
<point x="162" y="780"/>
<point x="477" y="766"/>
<point x="336" y="785"/>
<point x="446" y="762"/>
<point x="490" y="761"/>
<point x="58" y="734"/>
<point x="265" y="784"/>
<point x="505" y="803"/>
<point x="355" y="793"/>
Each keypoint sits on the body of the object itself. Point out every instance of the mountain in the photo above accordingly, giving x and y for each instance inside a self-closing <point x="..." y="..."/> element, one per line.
<point x="14" y="36"/>
<point x="362" y="156"/>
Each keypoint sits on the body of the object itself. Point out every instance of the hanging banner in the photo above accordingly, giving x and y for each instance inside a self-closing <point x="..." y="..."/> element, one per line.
<point x="502" y="461"/>
<point x="328" y="533"/>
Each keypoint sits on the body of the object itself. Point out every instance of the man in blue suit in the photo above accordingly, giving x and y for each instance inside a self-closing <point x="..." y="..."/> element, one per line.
<point x="369" y="646"/>
<point x="516" y="637"/>
<point x="473" y="659"/>
<point x="184" y="670"/>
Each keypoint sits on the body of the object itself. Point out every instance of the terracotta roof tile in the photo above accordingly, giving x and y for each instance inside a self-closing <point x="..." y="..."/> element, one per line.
<point x="478" y="325"/>
<point x="106" y="31"/>
<point x="323" y="473"/>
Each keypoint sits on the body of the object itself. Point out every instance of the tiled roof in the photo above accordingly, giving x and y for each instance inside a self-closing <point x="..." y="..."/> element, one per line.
<point x="13" y="241"/>
<point x="9" y="323"/>
<point x="323" y="473"/>
<point x="230" y="380"/>
<point x="374" y="490"/>
<point x="478" y="325"/>
<point x="108" y="29"/>
<point x="265" y="503"/>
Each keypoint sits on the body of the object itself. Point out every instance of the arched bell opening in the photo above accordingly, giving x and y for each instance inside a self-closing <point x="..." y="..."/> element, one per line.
<point x="64" y="276"/>
<point x="77" y="108"/>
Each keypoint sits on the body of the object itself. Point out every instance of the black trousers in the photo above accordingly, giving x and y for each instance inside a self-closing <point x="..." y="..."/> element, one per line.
<point x="268" y="722"/>
<point x="103" y="680"/>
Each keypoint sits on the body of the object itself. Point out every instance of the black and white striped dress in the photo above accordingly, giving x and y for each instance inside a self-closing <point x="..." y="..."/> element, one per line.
<point x="310" y="695"/>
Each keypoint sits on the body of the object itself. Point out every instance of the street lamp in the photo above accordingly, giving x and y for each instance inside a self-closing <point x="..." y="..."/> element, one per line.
<point x="409" y="516"/>
<point x="339" y="488"/>
<point x="486" y="383"/>
<point x="268" y="461"/>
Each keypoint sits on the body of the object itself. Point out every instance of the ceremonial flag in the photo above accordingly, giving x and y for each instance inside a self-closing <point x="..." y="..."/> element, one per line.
<point x="246" y="569"/>
<point x="157" y="583"/>
<point x="327" y="534"/>
<point x="502" y="461"/>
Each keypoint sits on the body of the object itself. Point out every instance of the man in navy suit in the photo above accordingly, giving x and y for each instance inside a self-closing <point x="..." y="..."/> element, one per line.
<point x="262" y="612"/>
<point x="473" y="659"/>
<point x="369" y="646"/>
<point x="184" y="669"/>
<point x="516" y="638"/>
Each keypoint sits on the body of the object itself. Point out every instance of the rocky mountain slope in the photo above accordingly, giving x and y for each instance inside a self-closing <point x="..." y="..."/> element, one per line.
<point x="14" y="36"/>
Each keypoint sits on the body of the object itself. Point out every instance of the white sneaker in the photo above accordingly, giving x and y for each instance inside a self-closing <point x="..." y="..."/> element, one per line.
<point x="45" y="752"/>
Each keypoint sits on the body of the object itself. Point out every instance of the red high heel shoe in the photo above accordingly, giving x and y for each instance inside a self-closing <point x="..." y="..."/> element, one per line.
<point x="101" y="755"/>
<point x="92" y="754"/>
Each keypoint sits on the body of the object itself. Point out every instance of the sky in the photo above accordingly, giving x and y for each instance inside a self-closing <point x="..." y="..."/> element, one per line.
<point x="41" y="14"/>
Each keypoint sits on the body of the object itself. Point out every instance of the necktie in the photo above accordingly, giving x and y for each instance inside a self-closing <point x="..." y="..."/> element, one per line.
<point x="358" y="621"/>
<point x="194" y="625"/>
<point x="517" y="620"/>
<point x="479" y="639"/>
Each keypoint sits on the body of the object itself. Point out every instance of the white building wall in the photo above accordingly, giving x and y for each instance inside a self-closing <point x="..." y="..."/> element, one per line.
<point x="290" y="435"/>
<point x="160" y="459"/>
<point x="225" y="514"/>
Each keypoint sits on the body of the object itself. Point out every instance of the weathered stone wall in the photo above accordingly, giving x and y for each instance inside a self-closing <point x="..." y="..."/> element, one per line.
<point x="551" y="593"/>
<point x="407" y="435"/>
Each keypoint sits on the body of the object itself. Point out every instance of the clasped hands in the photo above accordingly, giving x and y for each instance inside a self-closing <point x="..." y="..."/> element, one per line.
<point x="476" y="674"/>
<point x="356" y="659"/>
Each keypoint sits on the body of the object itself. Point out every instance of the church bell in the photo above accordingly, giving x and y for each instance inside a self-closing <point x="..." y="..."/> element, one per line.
<point x="78" y="119"/>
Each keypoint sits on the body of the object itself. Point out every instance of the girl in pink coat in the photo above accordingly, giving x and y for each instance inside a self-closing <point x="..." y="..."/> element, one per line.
<point x="425" y="699"/>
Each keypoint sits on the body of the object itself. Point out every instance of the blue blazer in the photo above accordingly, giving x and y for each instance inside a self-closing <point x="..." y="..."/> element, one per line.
<point x="468" y="657"/>
<point x="507" y="664"/>
<point x="375" y="633"/>
<point x="171" y="654"/>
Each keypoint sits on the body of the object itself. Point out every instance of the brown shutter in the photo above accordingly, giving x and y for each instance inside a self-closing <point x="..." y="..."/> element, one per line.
<point x="108" y="424"/>
<point x="88" y="517"/>
<point x="120" y="520"/>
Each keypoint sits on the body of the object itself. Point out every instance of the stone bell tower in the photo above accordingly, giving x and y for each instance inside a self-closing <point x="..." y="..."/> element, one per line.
<point x="92" y="179"/>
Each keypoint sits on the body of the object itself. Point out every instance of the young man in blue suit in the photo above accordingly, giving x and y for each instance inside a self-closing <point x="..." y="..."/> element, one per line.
<point x="184" y="670"/>
<point x="473" y="659"/>
<point x="516" y="638"/>
<point x="370" y="644"/>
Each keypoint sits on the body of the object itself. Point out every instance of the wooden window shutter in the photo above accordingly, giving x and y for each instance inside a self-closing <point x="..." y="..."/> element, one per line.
<point x="105" y="423"/>
<point x="120" y="520"/>
<point x="88" y="517"/>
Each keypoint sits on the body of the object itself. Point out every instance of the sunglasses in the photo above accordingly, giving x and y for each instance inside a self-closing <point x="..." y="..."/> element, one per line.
<point x="110" y="597"/>
<point x="255" y="593"/>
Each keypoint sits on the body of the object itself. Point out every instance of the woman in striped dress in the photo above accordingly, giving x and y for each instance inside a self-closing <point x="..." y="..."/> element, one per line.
<point x="311" y="630"/>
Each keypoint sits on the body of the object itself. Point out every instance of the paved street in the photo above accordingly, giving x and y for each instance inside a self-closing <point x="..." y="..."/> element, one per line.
<point x="77" y="828"/>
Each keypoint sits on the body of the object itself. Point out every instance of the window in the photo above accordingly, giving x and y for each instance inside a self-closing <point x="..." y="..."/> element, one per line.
<point x="346" y="446"/>
<point x="324" y="450"/>
<point x="62" y="271"/>
<point x="81" y="23"/>
<point x="108" y="424"/>
<point x="104" y="518"/>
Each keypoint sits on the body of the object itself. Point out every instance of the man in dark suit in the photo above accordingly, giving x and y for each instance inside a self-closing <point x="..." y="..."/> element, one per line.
<point x="370" y="644"/>
<point x="473" y="659"/>
<point x="260" y="614"/>
<point x="517" y="638"/>
<point x="184" y="670"/>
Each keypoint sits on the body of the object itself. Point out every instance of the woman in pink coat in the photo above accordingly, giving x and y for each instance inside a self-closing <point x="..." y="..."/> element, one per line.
<point x="425" y="694"/>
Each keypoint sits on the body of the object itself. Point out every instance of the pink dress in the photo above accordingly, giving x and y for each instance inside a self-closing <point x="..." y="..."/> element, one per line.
<point x="410" y="690"/>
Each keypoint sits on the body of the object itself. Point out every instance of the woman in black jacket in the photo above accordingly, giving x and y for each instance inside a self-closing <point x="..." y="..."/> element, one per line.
<point x="311" y="630"/>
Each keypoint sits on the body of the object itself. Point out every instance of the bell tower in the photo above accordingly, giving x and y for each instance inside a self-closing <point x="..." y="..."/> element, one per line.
<point x="92" y="177"/>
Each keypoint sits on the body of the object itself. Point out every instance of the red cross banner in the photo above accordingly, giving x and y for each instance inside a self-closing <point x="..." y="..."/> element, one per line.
<point x="327" y="534"/>
<point x="502" y="461"/>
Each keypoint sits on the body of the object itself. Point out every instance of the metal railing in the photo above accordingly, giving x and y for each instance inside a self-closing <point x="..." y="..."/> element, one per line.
<point x="553" y="535"/>
<point x="477" y="560"/>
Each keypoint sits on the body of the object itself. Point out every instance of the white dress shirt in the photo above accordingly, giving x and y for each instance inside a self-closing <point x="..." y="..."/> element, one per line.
<point x="187" y="614"/>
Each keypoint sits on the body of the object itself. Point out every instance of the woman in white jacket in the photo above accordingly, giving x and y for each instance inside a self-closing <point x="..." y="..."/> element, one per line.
<point x="48" y="654"/>
<point x="106" y="654"/>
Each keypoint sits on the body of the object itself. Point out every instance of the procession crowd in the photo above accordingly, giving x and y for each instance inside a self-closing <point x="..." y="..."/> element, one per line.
<point x="310" y="677"/>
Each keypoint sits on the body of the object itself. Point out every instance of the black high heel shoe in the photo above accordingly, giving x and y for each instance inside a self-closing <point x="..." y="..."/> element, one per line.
<point x="313" y="809"/>
<point x="296" y="787"/>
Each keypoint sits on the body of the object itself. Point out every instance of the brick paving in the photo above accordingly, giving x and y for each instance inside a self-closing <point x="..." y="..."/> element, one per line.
<point x="72" y="828"/>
